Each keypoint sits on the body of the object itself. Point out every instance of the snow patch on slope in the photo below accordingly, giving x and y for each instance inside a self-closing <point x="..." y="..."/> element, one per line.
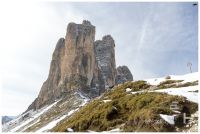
<point x="168" y="118"/>
<point x="70" y="130"/>
<point x="128" y="90"/>
<point x="186" y="78"/>
<point x="54" y="122"/>
<point x="115" y="130"/>
<point x="106" y="101"/>
<point x="72" y="111"/>
<point x="187" y="92"/>
<point x="38" y="120"/>
<point x="33" y="115"/>
<point x="51" y="124"/>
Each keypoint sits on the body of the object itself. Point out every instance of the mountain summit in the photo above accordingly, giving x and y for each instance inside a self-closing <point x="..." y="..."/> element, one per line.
<point x="80" y="63"/>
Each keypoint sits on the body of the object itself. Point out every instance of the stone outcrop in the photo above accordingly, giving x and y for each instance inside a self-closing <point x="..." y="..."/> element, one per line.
<point x="79" y="63"/>
<point x="123" y="75"/>
<point x="105" y="56"/>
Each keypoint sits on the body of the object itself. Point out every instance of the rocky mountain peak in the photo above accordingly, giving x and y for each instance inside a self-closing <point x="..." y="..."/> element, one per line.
<point x="123" y="75"/>
<point x="86" y="22"/>
<point x="79" y="63"/>
<point x="105" y="56"/>
<point x="107" y="39"/>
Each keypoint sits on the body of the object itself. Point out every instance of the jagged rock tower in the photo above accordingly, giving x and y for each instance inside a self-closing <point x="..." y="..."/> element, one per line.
<point x="123" y="75"/>
<point x="79" y="63"/>
<point x="105" y="56"/>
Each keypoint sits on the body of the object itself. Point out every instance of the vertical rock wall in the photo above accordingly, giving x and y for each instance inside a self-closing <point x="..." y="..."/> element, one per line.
<point x="105" y="56"/>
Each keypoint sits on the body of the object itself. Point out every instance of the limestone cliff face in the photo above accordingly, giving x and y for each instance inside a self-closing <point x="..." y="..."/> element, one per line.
<point x="123" y="75"/>
<point x="79" y="63"/>
<point x="73" y="66"/>
<point x="105" y="56"/>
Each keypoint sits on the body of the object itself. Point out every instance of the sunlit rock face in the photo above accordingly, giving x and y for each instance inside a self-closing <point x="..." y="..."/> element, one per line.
<point x="79" y="58"/>
<point x="73" y="66"/>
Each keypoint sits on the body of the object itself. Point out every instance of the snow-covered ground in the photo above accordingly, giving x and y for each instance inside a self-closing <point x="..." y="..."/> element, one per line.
<point x="106" y="101"/>
<point x="168" y="118"/>
<point x="187" y="92"/>
<point x="17" y="124"/>
<point x="54" y="122"/>
<point x="186" y="78"/>
<point x="72" y="111"/>
<point x="51" y="124"/>
<point x="33" y="117"/>
<point x="38" y="120"/>
<point x="128" y="90"/>
<point x="115" y="130"/>
<point x="70" y="130"/>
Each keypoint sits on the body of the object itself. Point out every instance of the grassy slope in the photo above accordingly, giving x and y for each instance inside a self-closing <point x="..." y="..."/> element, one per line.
<point x="130" y="112"/>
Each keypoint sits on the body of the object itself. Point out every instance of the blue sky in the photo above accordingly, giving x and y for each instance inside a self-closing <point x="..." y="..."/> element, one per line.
<point x="152" y="39"/>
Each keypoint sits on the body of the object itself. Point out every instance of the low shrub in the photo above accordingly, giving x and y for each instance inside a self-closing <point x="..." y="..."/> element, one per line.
<point x="139" y="112"/>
